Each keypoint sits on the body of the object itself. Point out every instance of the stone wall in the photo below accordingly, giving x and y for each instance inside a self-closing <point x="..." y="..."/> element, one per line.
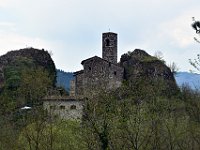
<point x="101" y="74"/>
<point x="109" y="47"/>
<point x="79" y="78"/>
<point x="116" y="75"/>
<point x="72" y="88"/>
<point x="64" y="108"/>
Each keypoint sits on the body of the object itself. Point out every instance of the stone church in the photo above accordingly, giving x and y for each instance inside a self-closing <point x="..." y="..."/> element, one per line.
<point x="99" y="73"/>
<point x="106" y="74"/>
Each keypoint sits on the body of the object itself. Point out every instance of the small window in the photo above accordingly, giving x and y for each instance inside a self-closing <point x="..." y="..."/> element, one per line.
<point x="73" y="107"/>
<point x="107" y="42"/>
<point x="90" y="68"/>
<point x="62" y="107"/>
<point x="115" y="73"/>
<point x="52" y="107"/>
<point x="109" y="64"/>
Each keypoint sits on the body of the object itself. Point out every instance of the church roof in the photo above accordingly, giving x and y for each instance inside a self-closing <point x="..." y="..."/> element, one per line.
<point x="78" y="72"/>
<point x="96" y="57"/>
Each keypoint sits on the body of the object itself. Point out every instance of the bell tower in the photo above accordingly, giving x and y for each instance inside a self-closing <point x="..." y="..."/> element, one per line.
<point x="109" y="47"/>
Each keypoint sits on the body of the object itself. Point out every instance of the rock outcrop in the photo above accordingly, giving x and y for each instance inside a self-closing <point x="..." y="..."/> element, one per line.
<point x="140" y="65"/>
<point x="39" y="57"/>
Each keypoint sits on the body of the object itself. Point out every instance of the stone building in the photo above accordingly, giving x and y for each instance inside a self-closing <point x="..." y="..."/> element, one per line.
<point x="99" y="73"/>
<point x="64" y="107"/>
<point x="106" y="74"/>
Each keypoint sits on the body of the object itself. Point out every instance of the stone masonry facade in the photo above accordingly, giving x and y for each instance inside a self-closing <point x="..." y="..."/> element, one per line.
<point x="64" y="108"/>
<point x="99" y="73"/>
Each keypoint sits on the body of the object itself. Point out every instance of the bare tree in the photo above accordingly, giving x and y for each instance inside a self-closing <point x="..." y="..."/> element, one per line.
<point x="159" y="55"/>
<point x="173" y="67"/>
<point x="196" y="62"/>
<point x="196" y="27"/>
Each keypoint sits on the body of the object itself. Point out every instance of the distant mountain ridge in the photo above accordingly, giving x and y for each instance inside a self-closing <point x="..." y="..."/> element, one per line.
<point x="188" y="78"/>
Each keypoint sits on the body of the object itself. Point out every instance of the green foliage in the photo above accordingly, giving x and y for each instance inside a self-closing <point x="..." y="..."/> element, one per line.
<point x="140" y="115"/>
<point x="139" y="55"/>
<point x="137" y="116"/>
<point x="34" y="85"/>
<point x="25" y="82"/>
<point x="13" y="71"/>
<point x="149" y="59"/>
<point x="47" y="135"/>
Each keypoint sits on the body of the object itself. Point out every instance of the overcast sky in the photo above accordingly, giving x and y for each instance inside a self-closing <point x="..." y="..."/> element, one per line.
<point x="72" y="29"/>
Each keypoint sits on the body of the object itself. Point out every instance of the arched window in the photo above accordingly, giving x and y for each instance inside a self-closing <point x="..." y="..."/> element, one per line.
<point x="109" y="64"/>
<point x="107" y="42"/>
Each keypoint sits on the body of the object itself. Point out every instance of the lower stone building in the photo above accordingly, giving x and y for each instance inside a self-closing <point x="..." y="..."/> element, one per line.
<point x="64" y="107"/>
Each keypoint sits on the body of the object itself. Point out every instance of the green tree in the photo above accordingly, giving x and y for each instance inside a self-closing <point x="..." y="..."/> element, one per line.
<point x="34" y="85"/>
<point x="25" y="84"/>
<point x="98" y="115"/>
<point x="43" y="134"/>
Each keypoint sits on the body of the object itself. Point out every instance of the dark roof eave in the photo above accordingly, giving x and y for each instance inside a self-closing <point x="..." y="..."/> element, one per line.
<point x="78" y="72"/>
<point x="98" y="58"/>
<point x="89" y="59"/>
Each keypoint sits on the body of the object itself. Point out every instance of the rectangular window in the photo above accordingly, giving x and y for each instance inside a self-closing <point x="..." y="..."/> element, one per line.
<point x="62" y="107"/>
<point x="109" y="64"/>
<point x="52" y="107"/>
<point x="73" y="107"/>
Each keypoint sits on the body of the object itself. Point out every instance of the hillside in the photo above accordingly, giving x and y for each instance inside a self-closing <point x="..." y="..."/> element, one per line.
<point x="152" y="71"/>
<point x="63" y="79"/>
<point x="26" y="76"/>
<point x="24" y="57"/>
<point x="141" y="111"/>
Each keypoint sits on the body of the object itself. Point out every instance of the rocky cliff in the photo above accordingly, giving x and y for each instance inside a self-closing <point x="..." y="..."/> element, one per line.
<point x="39" y="58"/>
<point x="140" y="65"/>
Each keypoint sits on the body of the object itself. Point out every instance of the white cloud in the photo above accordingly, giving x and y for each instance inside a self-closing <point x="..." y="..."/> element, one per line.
<point x="11" y="41"/>
<point x="7" y="27"/>
<point x="178" y="30"/>
<point x="71" y="27"/>
<point x="4" y="3"/>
